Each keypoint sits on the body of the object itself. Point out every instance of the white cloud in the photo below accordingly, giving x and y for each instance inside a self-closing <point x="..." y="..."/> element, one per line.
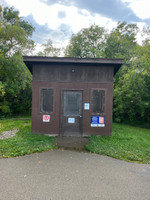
<point x="140" y="37"/>
<point x="104" y="22"/>
<point x="48" y="14"/>
<point x="74" y="19"/>
<point x="140" y="7"/>
<point x="41" y="12"/>
<point x="24" y="7"/>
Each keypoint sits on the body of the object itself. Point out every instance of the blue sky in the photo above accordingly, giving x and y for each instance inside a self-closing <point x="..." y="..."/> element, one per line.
<point x="59" y="19"/>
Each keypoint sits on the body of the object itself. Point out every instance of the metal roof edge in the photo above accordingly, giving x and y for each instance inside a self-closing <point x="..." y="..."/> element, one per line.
<point x="71" y="60"/>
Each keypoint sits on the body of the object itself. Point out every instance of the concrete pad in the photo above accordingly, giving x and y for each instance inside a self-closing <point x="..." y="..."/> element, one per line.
<point x="70" y="175"/>
<point x="76" y="143"/>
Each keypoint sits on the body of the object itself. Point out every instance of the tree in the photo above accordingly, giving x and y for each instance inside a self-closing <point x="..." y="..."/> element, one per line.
<point x="15" y="39"/>
<point x="131" y="97"/>
<point x="15" y="33"/>
<point x="132" y="81"/>
<point x="121" y="41"/>
<point x="87" y="43"/>
<point x="131" y="84"/>
<point x="49" y="50"/>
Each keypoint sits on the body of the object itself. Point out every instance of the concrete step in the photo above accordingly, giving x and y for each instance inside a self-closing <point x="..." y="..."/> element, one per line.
<point x="72" y="143"/>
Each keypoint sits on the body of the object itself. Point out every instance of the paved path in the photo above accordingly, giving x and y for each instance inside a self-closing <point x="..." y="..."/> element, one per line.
<point x="70" y="175"/>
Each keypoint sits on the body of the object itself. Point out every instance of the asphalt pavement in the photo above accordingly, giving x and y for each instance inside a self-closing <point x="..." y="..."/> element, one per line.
<point x="70" y="175"/>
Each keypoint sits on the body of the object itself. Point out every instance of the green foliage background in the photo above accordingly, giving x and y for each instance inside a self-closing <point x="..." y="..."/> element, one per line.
<point x="15" y="79"/>
<point x="132" y="81"/>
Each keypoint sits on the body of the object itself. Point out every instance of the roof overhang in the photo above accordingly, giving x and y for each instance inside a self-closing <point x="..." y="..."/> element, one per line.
<point x="30" y="60"/>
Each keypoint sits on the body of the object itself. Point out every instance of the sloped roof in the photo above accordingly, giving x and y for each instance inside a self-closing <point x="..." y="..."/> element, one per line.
<point x="30" y="60"/>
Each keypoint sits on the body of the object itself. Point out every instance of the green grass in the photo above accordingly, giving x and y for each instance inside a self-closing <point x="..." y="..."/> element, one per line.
<point x="127" y="143"/>
<point x="24" y="142"/>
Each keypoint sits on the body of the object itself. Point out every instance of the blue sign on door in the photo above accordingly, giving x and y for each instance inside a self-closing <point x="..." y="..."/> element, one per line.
<point x="97" y="121"/>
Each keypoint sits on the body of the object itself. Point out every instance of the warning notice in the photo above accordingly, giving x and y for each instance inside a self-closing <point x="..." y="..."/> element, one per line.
<point x="46" y="118"/>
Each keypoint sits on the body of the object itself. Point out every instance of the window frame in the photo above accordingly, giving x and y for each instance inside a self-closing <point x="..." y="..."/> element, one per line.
<point x="40" y="100"/>
<point x="98" y="113"/>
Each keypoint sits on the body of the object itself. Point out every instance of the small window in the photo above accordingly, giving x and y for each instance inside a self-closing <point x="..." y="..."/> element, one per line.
<point x="98" y="101"/>
<point x="46" y="101"/>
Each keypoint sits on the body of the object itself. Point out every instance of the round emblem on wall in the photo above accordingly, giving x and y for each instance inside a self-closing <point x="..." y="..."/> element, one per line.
<point x="46" y="118"/>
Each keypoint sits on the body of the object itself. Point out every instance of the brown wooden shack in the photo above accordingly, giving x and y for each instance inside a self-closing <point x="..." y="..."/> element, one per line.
<point x="72" y="96"/>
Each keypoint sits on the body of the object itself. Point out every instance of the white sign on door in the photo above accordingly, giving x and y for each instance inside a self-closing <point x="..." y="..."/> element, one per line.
<point x="46" y="118"/>
<point x="71" y="120"/>
<point x="86" y="106"/>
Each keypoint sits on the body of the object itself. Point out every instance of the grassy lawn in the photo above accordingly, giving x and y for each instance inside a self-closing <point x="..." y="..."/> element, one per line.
<point x="24" y="142"/>
<point x="127" y="143"/>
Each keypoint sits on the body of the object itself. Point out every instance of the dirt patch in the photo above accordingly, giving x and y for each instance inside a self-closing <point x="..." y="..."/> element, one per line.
<point x="8" y="134"/>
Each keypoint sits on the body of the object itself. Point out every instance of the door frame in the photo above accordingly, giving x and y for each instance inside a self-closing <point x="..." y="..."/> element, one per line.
<point x="61" y="107"/>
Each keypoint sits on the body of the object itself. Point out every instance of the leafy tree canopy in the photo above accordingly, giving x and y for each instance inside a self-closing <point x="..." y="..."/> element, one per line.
<point x="49" y="50"/>
<point x="14" y="32"/>
<point x="122" y="41"/>
<point x="87" y="43"/>
<point x="132" y="82"/>
<point x="15" y="39"/>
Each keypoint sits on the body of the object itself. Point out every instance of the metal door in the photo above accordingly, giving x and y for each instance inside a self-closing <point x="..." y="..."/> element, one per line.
<point x="71" y="113"/>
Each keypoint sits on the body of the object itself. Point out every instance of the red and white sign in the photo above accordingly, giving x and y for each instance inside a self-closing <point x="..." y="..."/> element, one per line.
<point x="46" y="118"/>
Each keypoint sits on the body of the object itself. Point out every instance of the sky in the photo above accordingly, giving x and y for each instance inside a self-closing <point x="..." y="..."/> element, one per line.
<point x="59" y="19"/>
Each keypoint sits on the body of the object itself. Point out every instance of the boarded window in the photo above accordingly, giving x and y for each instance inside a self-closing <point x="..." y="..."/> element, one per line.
<point x="98" y="101"/>
<point x="46" y="100"/>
